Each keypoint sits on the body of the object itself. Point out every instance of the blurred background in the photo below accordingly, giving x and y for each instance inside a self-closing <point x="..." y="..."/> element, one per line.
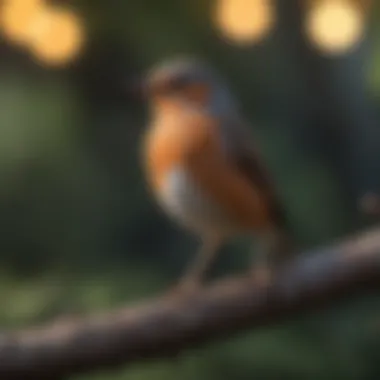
<point x="79" y="232"/>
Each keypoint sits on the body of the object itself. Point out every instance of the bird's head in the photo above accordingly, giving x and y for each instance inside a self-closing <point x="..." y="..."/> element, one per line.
<point x="188" y="83"/>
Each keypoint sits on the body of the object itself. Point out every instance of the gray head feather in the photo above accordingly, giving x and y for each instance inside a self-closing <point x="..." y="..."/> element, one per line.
<point x="194" y="70"/>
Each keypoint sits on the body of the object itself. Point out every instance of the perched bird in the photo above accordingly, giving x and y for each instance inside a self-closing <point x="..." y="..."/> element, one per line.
<point x="203" y="168"/>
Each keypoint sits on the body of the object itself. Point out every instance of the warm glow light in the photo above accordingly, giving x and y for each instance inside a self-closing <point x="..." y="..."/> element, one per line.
<point x="16" y="15"/>
<point x="335" y="26"/>
<point x="244" y="21"/>
<point x="56" y="36"/>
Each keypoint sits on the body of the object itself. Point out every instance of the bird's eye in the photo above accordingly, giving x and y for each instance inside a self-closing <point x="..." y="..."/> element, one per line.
<point x="197" y="92"/>
<point x="168" y="86"/>
<point x="178" y="83"/>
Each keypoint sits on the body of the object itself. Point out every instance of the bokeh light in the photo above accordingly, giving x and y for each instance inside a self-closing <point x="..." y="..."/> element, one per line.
<point x="56" y="36"/>
<point x="16" y="15"/>
<point x="335" y="26"/>
<point x="244" y="21"/>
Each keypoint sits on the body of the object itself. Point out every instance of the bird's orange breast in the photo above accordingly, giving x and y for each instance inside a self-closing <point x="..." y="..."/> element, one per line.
<point x="193" y="144"/>
<point x="171" y="141"/>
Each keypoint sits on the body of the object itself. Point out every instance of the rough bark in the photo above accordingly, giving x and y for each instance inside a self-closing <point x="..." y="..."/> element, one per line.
<point x="165" y="326"/>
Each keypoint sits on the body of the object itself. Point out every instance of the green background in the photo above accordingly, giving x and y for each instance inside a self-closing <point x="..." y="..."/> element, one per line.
<point x="79" y="232"/>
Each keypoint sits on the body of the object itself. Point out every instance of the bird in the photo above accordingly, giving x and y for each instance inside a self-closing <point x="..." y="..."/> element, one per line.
<point x="205" y="171"/>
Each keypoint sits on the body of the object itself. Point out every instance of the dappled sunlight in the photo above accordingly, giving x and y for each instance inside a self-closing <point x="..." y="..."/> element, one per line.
<point x="16" y="16"/>
<point x="244" y="21"/>
<point x="54" y="35"/>
<point x="335" y="26"/>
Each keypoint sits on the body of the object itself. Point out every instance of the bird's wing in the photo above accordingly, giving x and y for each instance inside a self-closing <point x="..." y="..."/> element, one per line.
<point x="236" y="185"/>
<point x="245" y="156"/>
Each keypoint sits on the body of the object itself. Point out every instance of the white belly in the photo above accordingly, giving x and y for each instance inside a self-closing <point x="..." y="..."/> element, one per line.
<point x="182" y="200"/>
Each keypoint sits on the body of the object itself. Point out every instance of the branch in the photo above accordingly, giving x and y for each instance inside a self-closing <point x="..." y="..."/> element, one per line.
<point x="163" y="327"/>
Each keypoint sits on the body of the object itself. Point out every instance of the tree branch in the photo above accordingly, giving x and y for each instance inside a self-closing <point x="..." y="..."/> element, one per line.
<point x="163" y="327"/>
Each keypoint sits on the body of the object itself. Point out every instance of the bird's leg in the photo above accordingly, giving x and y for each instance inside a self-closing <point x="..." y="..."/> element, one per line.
<point x="195" y="272"/>
<point x="275" y="250"/>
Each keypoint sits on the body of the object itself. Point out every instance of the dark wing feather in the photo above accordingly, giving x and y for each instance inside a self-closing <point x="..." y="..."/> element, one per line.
<point x="250" y="164"/>
<point x="253" y="169"/>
